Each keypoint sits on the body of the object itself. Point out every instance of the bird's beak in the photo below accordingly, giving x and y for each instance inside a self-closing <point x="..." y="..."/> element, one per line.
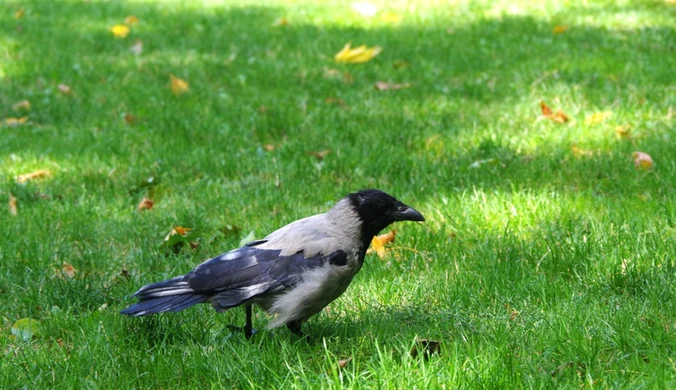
<point x="408" y="214"/>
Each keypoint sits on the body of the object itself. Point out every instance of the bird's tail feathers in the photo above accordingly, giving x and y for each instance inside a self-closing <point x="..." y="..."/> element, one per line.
<point x="169" y="295"/>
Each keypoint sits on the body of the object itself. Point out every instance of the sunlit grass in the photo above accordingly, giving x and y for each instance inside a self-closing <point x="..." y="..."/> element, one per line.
<point x="547" y="257"/>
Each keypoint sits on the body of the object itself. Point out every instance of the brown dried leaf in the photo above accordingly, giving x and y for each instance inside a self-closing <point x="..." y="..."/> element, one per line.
<point x="269" y="147"/>
<point x="13" y="210"/>
<point x="130" y="119"/>
<point x="41" y="173"/>
<point x="319" y="155"/>
<point x="558" y="117"/>
<point x="22" y="105"/>
<point x="642" y="160"/>
<point x="426" y="348"/>
<point x="383" y="86"/>
<point x="342" y="363"/>
<point x="68" y="270"/>
<point x="65" y="89"/>
<point x="336" y="101"/>
<point x="146" y="204"/>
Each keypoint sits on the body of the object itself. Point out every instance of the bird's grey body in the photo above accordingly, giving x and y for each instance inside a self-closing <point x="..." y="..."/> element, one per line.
<point x="293" y="273"/>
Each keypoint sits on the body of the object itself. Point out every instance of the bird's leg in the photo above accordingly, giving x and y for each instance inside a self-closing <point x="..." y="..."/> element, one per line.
<point x="248" y="327"/>
<point x="294" y="327"/>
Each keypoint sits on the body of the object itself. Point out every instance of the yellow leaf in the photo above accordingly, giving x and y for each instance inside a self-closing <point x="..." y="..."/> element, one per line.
<point x="280" y="22"/>
<point x="390" y="17"/>
<point x="559" y="29"/>
<point x="12" y="205"/>
<point x="120" y="30"/>
<point x="378" y="243"/>
<point x="577" y="152"/>
<point x="178" y="86"/>
<point x="130" y="20"/>
<point x="10" y="122"/>
<point x="558" y="117"/>
<point x="24" y="104"/>
<point x="642" y="160"/>
<point x="623" y="131"/>
<point x="68" y="270"/>
<point x="146" y="204"/>
<point x="33" y="175"/>
<point x="19" y="13"/>
<point x="597" y="118"/>
<point x="357" y="55"/>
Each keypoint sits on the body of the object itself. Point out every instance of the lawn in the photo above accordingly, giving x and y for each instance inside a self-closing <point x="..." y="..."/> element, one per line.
<point x="548" y="258"/>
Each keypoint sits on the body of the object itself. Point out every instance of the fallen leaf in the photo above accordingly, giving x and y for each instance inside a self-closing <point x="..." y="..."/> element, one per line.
<point x="357" y="55"/>
<point x="342" y="363"/>
<point x="280" y="22"/>
<point x="383" y="86"/>
<point x="378" y="243"/>
<point x="642" y="160"/>
<point x="179" y="236"/>
<point x="137" y="47"/>
<point x="24" y="104"/>
<point x="41" y="173"/>
<point x="512" y="312"/>
<point x="319" y="155"/>
<point x="68" y="270"/>
<point x="247" y="239"/>
<point x="120" y="30"/>
<point x="145" y="204"/>
<point x="479" y="163"/>
<point x="11" y="122"/>
<point x="64" y="89"/>
<point x="337" y="101"/>
<point x="577" y="152"/>
<point x="12" y="205"/>
<point x="558" y="117"/>
<point x="269" y="147"/>
<point x="26" y="328"/>
<point x="400" y="64"/>
<point x="546" y="111"/>
<point x="597" y="118"/>
<point x="559" y="29"/>
<point x="130" y="20"/>
<point x="178" y="86"/>
<point x="389" y="17"/>
<point x="426" y="348"/>
<point x="130" y="119"/>
<point x="19" y="13"/>
<point x="365" y="9"/>
<point x="622" y="131"/>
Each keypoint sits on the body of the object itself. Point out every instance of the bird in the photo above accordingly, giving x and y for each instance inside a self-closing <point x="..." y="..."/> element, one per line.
<point x="292" y="274"/>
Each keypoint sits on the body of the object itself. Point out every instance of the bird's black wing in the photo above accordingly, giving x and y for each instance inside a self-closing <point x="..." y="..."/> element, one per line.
<point x="242" y="274"/>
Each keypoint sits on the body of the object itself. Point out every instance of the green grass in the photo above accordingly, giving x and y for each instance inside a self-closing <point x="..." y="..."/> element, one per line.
<point x="540" y="268"/>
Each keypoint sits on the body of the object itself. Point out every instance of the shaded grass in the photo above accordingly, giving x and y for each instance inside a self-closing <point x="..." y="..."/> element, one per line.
<point x="541" y="268"/>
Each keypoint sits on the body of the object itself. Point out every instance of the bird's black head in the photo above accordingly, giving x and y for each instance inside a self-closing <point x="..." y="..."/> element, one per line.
<point x="377" y="210"/>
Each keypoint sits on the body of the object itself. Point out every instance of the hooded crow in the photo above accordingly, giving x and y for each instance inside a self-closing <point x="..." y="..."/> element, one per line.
<point x="293" y="273"/>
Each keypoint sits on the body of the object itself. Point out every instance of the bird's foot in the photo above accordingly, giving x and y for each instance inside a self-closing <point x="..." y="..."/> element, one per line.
<point x="248" y="332"/>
